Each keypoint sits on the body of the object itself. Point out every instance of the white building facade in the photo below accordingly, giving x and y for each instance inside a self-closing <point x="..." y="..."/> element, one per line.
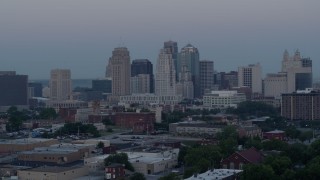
<point x="223" y="99"/>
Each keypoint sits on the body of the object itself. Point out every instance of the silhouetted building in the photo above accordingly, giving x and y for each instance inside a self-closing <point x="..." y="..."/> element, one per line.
<point x="60" y="84"/>
<point x="206" y="76"/>
<point x="103" y="85"/>
<point x="189" y="57"/>
<point x="13" y="89"/>
<point x="35" y="89"/>
<point x="143" y="66"/>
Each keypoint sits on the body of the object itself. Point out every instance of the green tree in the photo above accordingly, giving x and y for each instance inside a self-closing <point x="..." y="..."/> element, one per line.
<point x="48" y="113"/>
<point x="170" y="176"/>
<point x="137" y="176"/>
<point x="16" y="119"/>
<point x="279" y="164"/>
<point x="292" y="132"/>
<point x="261" y="172"/>
<point x="306" y="135"/>
<point x="121" y="158"/>
<point x="100" y="145"/>
<point x="275" y="144"/>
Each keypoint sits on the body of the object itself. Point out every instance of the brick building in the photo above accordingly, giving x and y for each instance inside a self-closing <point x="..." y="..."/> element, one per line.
<point x="115" y="171"/>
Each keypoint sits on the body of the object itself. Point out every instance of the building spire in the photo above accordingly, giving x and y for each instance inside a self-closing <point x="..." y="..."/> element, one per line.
<point x="285" y="55"/>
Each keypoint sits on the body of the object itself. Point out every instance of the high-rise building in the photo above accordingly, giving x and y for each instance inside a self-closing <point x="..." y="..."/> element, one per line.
<point x="173" y="48"/>
<point x="206" y="76"/>
<point x="296" y="74"/>
<point x="143" y="66"/>
<point x="185" y="84"/>
<point x="299" y="71"/>
<point x="165" y="77"/>
<point x="301" y="105"/>
<point x="103" y="85"/>
<point x="120" y="71"/>
<point x="60" y="84"/>
<point x="250" y="76"/>
<point x="140" y="84"/>
<point x="189" y="57"/>
<point x="35" y="89"/>
<point x="13" y="89"/>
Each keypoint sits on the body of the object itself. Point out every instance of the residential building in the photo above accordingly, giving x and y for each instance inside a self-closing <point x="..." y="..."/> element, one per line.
<point x="115" y="171"/>
<point x="223" y="99"/>
<point x="145" y="67"/>
<point x="206" y="76"/>
<point x="13" y="90"/>
<point x="302" y="105"/>
<point x="165" y="77"/>
<point x="238" y="159"/>
<point x="60" y="84"/>
<point x="251" y="76"/>
<point x="189" y="58"/>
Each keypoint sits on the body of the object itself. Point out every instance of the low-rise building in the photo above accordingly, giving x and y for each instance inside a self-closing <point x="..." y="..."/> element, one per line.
<point x="194" y="129"/>
<point x="149" y="99"/>
<point x="95" y="163"/>
<point x="276" y="134"/>
<point x="115" y="171"/>
<point x="53" y="173"/>
<point x="238" y="159"/>
<point x="223" y="99"/>
<point x="249" y="131"/>
<point x="219" y="174"/>
<point x="17" y="145"/>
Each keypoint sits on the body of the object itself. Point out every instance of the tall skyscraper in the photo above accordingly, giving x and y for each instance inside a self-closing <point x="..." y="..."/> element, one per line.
<point x="206" y="76"/>
<point x="140" y="84"/>
<point x="145" y="67"/>
<point x="299" y="71"/>
<point x="189" y="57"/>
<point x="120" y="71"/>
<point x="173" y="47"/>
<point x="185" y="84"/>
<point x="296" y="74"/>
<point x="60" y="84"/>
<point x="165" y="77"/>
<point x="13" y="89"/>
<point x="250" y="76"/>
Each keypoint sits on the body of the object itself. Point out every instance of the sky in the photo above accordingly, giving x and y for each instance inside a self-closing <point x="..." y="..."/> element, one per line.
<point x="37" y="36"/>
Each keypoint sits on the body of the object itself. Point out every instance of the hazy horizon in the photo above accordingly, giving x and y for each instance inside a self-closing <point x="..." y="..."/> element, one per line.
<point x="37" y="36"/>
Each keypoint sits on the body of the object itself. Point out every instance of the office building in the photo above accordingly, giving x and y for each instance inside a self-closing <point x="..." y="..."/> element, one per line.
<point x="13" y="89"/>
<point x="120" y="71"/>
<point x="250" y="76"/>
<point x="275" y="84"/>
<point x="223" y="99"/>
<point x="140" y="84"/>
<point x="165" y="77"/>
<point x="206" y="76"/>
<point x="299" y="71"/>
<point x="145" y="67"/>
<point x="185" y="85"/>
<point x="173" y="48"/>
<point x="35" y="89"/>
<point x="103" y="85"/>
<point x="60" y="84"/>
<point x="301" y="105"/>
<point x="189" y="57"/>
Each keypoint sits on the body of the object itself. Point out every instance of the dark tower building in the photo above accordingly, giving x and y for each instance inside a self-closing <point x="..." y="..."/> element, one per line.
<point x="13" y="89"/>
<point x="103" y="85"/>
<point x="143" y="66"/>
<point x="36" y="89"/>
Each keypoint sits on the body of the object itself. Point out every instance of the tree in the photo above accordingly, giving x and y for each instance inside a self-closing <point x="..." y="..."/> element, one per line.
<point x="307" y="135"/>
<point x="100" y="145"/>
<point x="121" y="158"/>
<point x="292" y="132"/>
<point x="48" y="113"/>
<point x="279" y="164"/>
<point x="170" y="176"/>
<point x="137" y="176"/>
<point x="275" y="144"/>
<point x="261" y="172"/>
<point x="16" y="119"/>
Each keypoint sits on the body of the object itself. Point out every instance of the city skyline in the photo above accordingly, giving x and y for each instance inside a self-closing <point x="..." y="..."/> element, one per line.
<point x="80" y="36"/>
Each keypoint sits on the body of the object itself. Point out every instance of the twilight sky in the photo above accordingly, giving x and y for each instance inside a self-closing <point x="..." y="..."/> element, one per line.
<point x="37" y="36"/>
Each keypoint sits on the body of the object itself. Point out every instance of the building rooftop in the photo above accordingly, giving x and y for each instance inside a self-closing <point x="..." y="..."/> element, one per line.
<point x="218" y="174"/>
<point x="24" y="141"/>
<point x="53" y="169"/>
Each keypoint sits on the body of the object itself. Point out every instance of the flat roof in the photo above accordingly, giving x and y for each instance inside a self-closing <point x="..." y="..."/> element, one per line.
<point x="24" y="141"/>
<point x="53" y="169"/>
<point x="215" y="174"/>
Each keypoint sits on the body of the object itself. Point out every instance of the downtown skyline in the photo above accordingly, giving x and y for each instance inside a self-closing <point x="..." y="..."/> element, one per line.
<point x="81" y="36"/>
